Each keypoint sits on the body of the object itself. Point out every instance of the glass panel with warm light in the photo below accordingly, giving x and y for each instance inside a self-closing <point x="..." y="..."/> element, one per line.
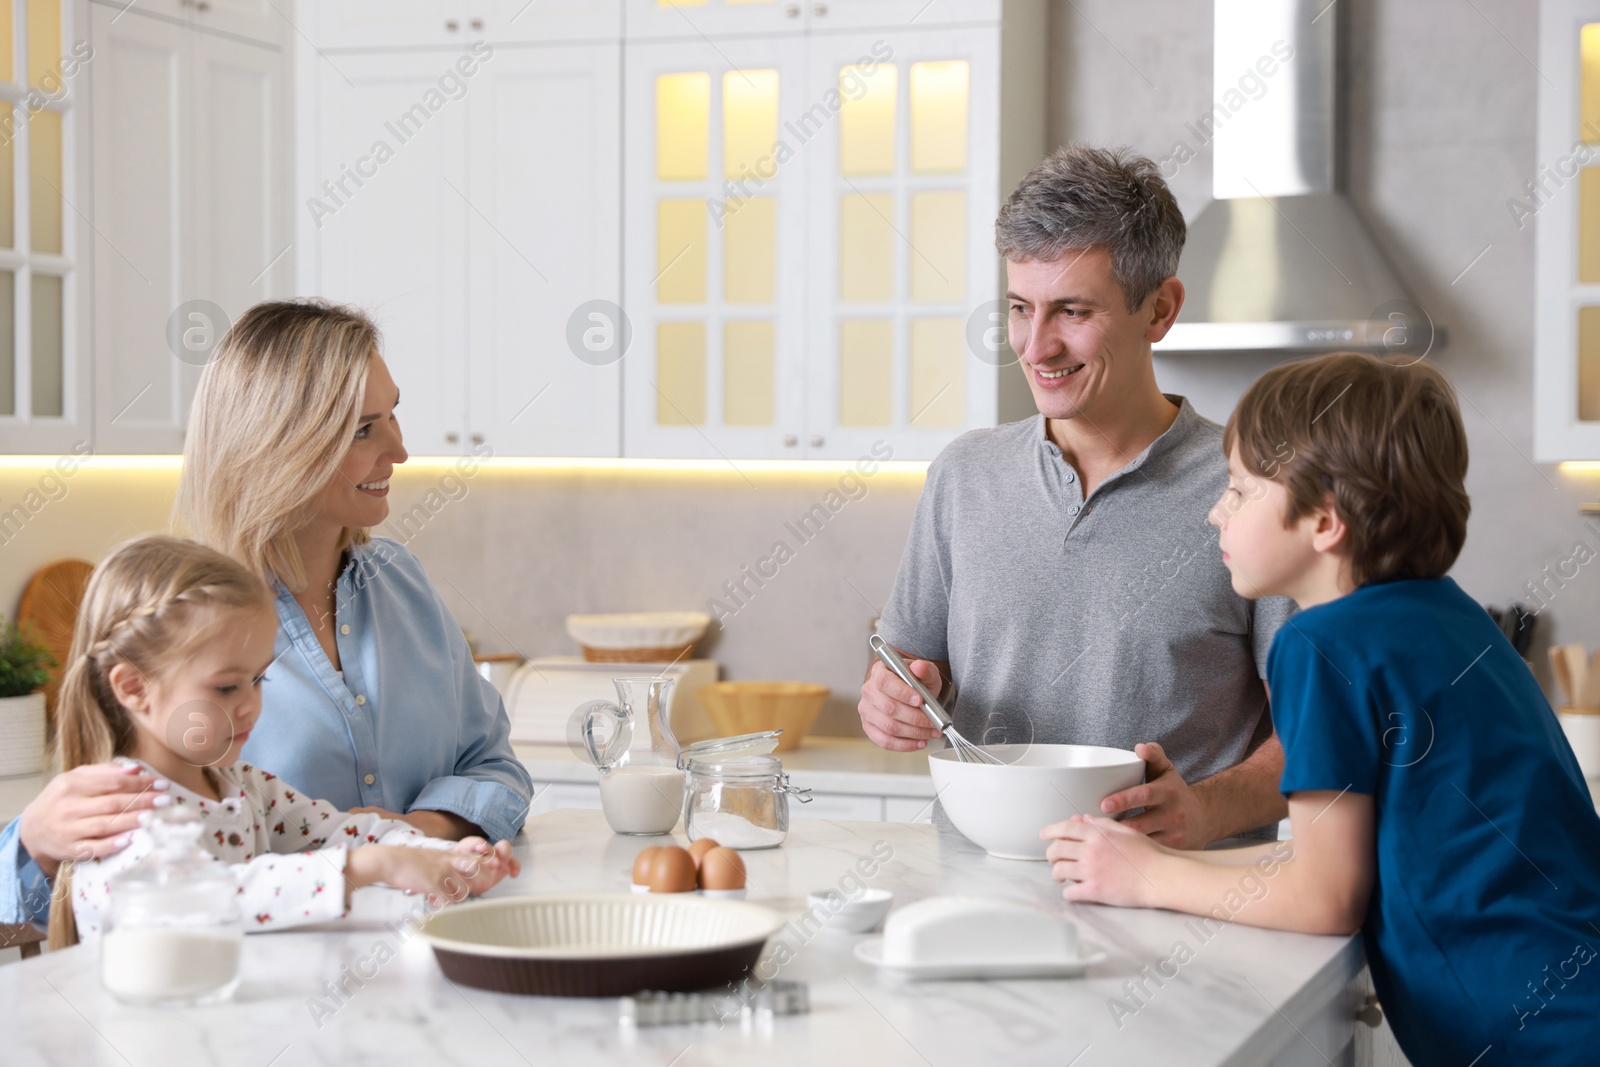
<point x="866" y="119"/>
<point x="47" y="345"/>
<point x="866" y="247"/>
<point x="44" y="42"/>
<point x="680" y="373"/>
<point x="8" y="207"/>
<point x="866" y="372"/>
<point x="937" y="390"/>
<point x="45" y="188"/>
<point x="681" y="251"/>
<point x="938" y="246"/>
<point x="750" y="251"/>
<point x="8" y="343"/>
<point x="8" y="42"/>
<point x="749" y="373"/>
<point x="1589" y="225"/>
<point x="1589" y="84"/>
<point x="749" y="124"/>
<point x="683" y="126"/>
<point x="939" y="92"/>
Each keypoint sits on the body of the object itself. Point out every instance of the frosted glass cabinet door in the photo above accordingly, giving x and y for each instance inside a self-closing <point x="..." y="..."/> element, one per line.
<point x="903" y="190"/>
<point x="714" y="249"/>
<point x="542" y="238"/>
<point x="394" y="242"/>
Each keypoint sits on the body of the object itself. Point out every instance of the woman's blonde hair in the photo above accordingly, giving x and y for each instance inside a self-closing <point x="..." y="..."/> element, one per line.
<point x="273" y="418"/>
<point x="149" y="604"/>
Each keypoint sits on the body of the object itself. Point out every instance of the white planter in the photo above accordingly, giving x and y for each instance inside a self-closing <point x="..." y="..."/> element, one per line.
<point x="21" y="735"/>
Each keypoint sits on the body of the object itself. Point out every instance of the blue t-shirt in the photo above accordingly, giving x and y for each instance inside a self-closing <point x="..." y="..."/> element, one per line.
<point x="1483" y="930"/>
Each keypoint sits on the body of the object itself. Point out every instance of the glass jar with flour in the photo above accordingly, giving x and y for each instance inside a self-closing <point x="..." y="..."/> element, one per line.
<point x="738" y="795"/>
<point x="173" y="932"/>
<point x="641" y="785"/>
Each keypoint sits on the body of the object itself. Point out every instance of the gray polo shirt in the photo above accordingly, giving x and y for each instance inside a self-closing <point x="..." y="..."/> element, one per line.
<point x="1106" y="621"/>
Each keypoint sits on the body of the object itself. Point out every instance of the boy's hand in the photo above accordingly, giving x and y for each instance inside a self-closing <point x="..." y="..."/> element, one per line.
<point x="1103" y="862"/>
<point x="1173" y="815"/>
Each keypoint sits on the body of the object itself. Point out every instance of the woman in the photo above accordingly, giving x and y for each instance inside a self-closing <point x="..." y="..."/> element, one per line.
<point x="373" y="701"/>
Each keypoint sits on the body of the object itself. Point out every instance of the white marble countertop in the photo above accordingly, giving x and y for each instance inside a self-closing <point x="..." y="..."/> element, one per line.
<point x="1244" y="997"/>
<point x="825" y="764"/>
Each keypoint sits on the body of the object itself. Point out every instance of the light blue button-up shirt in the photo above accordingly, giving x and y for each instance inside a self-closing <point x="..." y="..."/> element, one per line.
<point x="408" y="726"/>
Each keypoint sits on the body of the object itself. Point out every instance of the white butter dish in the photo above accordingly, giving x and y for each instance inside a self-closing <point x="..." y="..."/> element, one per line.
<point x="976" y="937"/>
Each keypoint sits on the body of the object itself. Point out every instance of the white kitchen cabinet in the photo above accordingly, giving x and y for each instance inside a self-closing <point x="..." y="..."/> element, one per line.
<point x="1562" y="201"/>
<point x="191" y="208"/>
<point x="808" y="230"/>
<point x="387" y="219"/>
<point x="467" y="196"/>
<point x="257" y="20"/>
<point x="700" y="19"/>
<point x="44" y="242"/>
<point x="363" y="24"/>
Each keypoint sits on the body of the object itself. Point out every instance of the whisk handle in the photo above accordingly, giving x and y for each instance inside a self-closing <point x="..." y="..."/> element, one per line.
<point x="930" y="703"/>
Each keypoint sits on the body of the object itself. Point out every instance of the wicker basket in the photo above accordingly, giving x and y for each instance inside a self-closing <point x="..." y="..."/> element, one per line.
<point x="637" y="655"/>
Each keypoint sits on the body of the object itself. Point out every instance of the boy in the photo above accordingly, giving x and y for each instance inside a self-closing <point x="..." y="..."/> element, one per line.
<point x="1435" y="803"/>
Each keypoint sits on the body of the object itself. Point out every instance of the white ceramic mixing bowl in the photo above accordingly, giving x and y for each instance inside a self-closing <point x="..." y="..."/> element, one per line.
<point x="1002" y="809"/>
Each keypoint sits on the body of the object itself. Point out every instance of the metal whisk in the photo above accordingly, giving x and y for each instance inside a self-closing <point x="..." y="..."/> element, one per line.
<point x="965" y="750"/>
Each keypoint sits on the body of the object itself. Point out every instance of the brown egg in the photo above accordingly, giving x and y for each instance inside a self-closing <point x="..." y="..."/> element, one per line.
<point x="721" y="868"/>
<point x="641" y="864"/>
<point x="699" y="849"/>
<point x="672" y="871"/>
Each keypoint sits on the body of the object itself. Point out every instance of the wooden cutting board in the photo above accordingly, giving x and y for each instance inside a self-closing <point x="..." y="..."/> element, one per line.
<point x="50" y="605"/>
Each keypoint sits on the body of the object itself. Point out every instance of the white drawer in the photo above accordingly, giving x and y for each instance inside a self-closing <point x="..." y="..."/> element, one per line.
<point x="838" y="806"/>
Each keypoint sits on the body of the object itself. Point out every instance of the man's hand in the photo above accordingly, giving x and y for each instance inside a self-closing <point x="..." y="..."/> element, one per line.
<point x="88" y="813"/>
<point x="1174" y="815"/>
<point x="1103" y="862"/>
<point x="891" y="711"/>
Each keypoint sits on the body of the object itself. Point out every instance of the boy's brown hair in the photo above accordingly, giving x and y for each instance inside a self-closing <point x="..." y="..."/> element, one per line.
<point x="1382" y="439"/>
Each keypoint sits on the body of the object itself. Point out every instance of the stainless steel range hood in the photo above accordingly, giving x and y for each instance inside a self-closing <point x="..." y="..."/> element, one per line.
<point x="1280" y="261"/>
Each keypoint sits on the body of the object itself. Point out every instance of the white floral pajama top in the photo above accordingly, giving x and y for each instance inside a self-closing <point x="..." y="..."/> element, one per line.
<point x="287" y="850"/>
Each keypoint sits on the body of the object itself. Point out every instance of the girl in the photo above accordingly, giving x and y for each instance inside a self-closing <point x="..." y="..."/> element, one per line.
<point x="172" y="644"/>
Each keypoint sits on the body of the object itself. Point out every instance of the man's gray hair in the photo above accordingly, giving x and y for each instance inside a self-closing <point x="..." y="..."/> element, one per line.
<point x="1081" y="198"/>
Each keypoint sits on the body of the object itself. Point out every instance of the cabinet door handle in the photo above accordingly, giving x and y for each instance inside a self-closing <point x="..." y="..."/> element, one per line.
<point x="477" y="24"/>
<point x="452" y="25"/>
<point x="477" y="438"/>
<point x="203" y="6"/>
<point x="790" y="440"/>
<point x="816" y="440"/>
<point x="820" y="10"/>
<point x="451" y="438"/>
<point x="792" y="11"/>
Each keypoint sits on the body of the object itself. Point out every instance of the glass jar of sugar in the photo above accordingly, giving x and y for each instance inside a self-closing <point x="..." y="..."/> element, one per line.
<point x="738" y="795"/>
<point x="173" y="931"/>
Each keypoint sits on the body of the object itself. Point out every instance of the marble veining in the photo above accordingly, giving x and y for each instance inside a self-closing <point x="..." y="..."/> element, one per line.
<point x="1237" y="995"/>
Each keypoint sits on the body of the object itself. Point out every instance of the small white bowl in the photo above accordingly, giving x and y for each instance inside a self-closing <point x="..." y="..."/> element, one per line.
<point x="838" y="912"/>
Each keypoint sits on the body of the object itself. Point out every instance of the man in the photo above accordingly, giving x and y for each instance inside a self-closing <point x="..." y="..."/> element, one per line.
<point x="1061" y="573"/>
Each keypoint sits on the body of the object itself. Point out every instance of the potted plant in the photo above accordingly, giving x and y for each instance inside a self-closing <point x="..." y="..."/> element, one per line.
<point x="25" y="667"/>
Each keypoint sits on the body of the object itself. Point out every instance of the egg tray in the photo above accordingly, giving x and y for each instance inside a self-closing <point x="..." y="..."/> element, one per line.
<point x="599" y="945"/>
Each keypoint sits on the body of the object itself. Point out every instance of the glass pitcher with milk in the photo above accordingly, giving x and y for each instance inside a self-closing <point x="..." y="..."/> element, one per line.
<point x="641" y="786"/>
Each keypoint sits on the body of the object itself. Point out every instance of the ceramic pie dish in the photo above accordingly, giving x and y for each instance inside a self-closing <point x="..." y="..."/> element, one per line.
<point x="599" y="945"/>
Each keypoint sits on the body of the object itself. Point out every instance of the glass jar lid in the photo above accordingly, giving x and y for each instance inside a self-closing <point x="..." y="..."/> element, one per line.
<point x="722" y="749"/>
<point x="741" y="767"/>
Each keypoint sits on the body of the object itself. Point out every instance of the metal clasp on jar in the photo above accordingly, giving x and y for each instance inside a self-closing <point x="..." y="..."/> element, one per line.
<point x="783" y="786"/>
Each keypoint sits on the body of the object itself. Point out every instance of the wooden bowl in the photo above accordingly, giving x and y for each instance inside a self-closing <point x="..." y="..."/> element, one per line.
<point x="749" y="707"/>
<point x="599" y="945"/>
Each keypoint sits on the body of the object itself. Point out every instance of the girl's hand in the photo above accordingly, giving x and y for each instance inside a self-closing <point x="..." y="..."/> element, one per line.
<point x="444" y="877"/>
<point x="500" y="853"/>
<point x="1104" y="862"/>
